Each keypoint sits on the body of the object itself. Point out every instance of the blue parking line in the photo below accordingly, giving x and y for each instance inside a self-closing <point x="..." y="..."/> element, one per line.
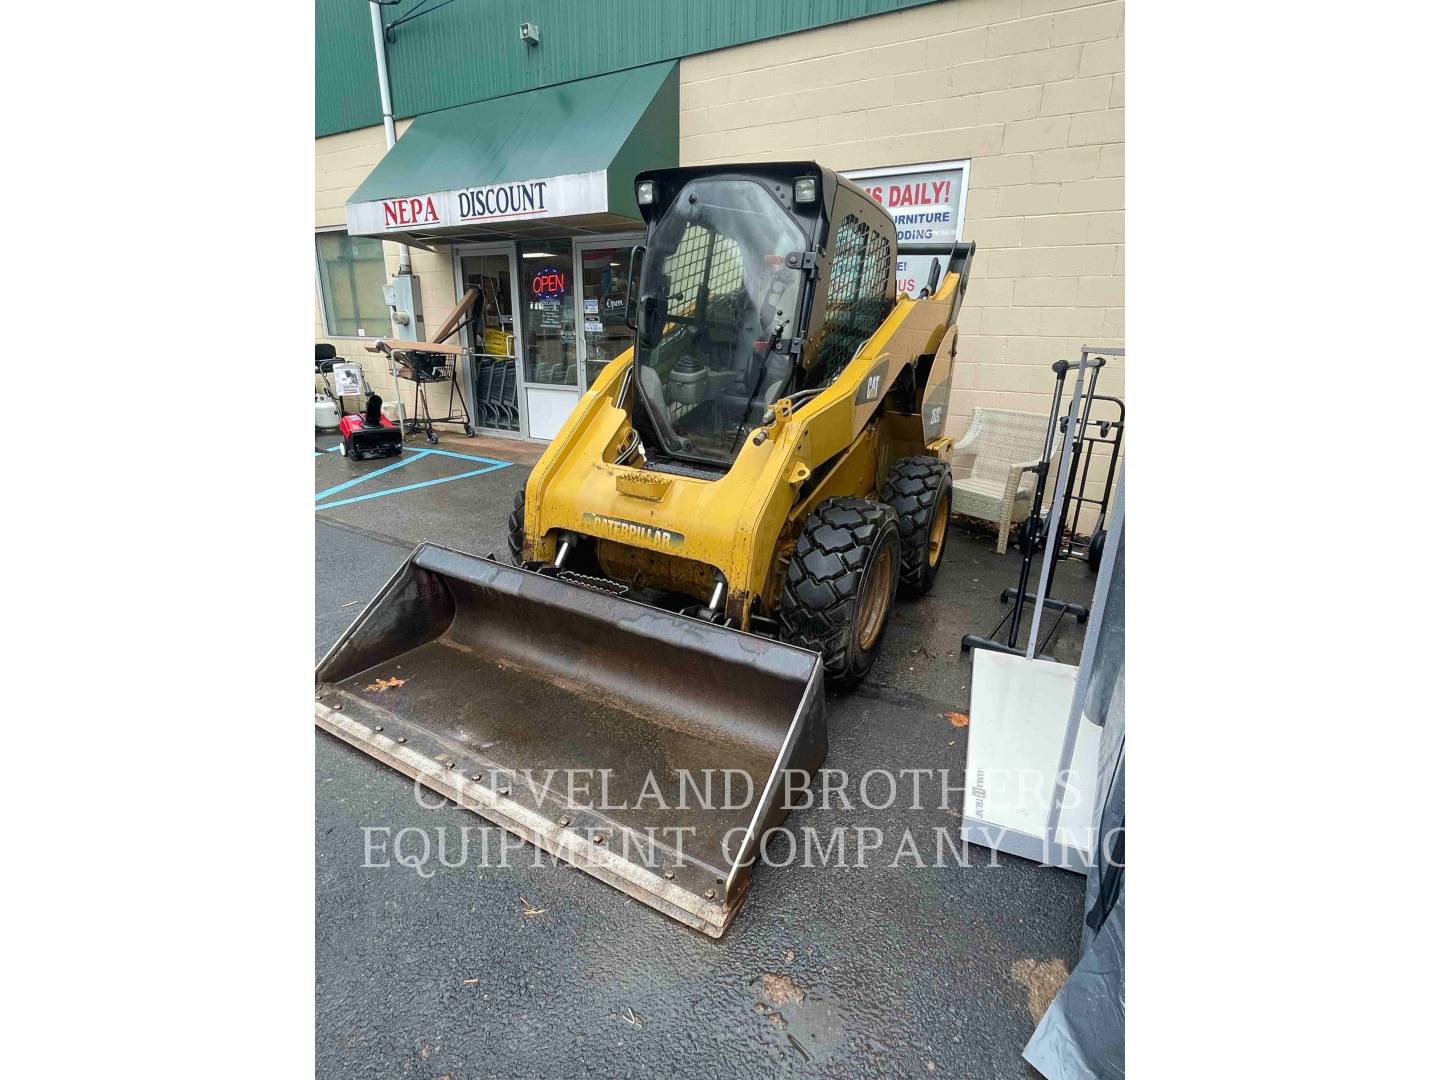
<point x="409" y="487"/>
<point x="464" y="457"/>
<point x="431" y="450"/>
<point x="377" y="472"/>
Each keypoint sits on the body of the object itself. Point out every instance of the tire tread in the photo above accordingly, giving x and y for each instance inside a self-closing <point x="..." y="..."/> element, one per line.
<point x="912" y="488"/>
<point x="818" y="600"/>
<point x="515" y="537"/>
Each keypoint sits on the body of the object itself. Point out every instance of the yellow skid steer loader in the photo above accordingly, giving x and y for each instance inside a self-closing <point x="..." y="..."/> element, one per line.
<point x="719" y="529"/>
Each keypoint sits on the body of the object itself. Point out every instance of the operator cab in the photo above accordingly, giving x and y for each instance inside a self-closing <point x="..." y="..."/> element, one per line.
<point x="726" y="299"/>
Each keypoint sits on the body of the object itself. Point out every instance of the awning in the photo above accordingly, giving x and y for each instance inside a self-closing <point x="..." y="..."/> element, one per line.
<point x="522" y="165"/>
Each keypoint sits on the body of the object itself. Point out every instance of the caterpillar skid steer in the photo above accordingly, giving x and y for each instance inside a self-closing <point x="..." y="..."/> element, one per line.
<point x="719" y="529"/>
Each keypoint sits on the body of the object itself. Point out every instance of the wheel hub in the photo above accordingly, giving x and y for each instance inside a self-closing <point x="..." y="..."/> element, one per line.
<point x="876" y="600"/>
<point x="938" y="524"/>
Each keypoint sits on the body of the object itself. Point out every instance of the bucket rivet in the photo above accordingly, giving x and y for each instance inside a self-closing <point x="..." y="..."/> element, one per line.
<point x="600" y="839"/>
<point x="669" y="875"/>
<point x="449" y="764"/>
<point x="400" y="739"/>
<point x="565" y="820"/>
<point x="475" y="776"/>
<point x="379" y="727"/>
<point x="502" y="791"/>
<point x="709" y="894"/>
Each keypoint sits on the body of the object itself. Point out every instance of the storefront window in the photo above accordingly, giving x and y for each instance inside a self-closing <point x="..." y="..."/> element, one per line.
<point x="547" y="301"/>
<point x="603" y="280"/>
<point x="352" y="284"/>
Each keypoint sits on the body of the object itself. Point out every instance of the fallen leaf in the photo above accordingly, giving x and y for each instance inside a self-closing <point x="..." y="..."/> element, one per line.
<point x="1041" y="980"/>
<point x="789" y="956"/>
<point x="957" y="719"/>
<point x="779" y="990"/>
<point x="384" y="684"/>
<point x="530" y="909"/>
<point x="631" y="1018"/>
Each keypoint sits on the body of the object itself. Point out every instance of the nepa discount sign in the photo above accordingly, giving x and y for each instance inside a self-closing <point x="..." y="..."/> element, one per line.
<point x="926" y="205"/>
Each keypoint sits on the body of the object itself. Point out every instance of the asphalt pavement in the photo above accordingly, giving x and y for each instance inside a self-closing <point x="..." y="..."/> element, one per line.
<point x="474" y="969"/>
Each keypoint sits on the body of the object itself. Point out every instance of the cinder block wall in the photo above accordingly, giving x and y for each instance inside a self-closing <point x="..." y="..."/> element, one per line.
<point x="341" y="163"/>
<point x="1032" y="92"/>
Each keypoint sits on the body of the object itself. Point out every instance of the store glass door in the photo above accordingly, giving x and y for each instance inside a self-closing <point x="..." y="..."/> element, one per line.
<point x="603" y="270"/>
<point x="550" y="371"/>
<point x="494" y="379"/>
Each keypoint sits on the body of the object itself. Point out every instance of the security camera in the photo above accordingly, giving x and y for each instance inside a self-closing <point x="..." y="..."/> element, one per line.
<point x="529" y="33"/>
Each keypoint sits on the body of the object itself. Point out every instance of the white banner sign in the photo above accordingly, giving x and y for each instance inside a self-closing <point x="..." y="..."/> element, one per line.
<point x="349" y="380"/>
<point x="928" y="205"/>
<point x="520" y="200"/>
<point x="912" y="273"/>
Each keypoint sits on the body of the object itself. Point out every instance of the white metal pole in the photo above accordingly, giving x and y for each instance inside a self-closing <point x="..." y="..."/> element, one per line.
<point x="387" y="113"/>
<point x="382" y="69"/>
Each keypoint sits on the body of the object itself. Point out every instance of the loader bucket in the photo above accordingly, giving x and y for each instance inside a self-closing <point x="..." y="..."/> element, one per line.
<point x="600" y="729"/>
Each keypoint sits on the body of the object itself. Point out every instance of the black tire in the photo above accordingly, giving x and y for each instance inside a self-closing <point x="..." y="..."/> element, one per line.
<point x="431" y="438"/>
<point x="919" y="490"/>
<point x="469" y="432"/>
<point x="516" y="537"/>
<point x="1096" y="551"/>
<point x="345" y="450"/>
<point x="843" y="545"/>
<point x="1040" y="534"/>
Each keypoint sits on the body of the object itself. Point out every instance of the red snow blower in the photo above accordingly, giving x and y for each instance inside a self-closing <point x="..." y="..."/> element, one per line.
<point x="362" y="435"/>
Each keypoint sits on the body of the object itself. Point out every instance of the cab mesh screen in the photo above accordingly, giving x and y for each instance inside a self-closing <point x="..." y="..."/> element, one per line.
<point x="686" y="269"/>
<point x="860" y="272"/>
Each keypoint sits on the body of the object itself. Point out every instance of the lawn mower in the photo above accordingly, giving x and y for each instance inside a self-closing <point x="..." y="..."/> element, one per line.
<point x="362" y="435"/>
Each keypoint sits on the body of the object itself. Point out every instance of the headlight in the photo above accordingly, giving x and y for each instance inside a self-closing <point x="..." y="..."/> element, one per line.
<point x="805" y="189"/>
<point x="645" y="192"/>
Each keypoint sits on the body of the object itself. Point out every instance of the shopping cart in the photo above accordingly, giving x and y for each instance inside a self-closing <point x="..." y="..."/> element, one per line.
<point x="495" y="388"/>
<point x="428" y="365"/>
<point x="495" y="384"/>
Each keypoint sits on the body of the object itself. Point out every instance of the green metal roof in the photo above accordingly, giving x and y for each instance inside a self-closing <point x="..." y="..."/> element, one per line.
<point x="620" y="122"/>
<point x="470" y="50"/>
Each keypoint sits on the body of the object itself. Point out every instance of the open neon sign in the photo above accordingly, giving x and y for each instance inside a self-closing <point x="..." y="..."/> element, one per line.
<point x="548" y="284"/>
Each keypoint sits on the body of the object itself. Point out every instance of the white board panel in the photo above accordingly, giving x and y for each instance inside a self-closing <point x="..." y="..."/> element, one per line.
<point x="549" y="409"/>
<point x="1076" y="827"/>
<point x="1018" y="712"/>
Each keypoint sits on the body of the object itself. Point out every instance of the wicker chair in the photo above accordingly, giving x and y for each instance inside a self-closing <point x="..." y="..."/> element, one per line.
<point x="1006" y="445"/>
